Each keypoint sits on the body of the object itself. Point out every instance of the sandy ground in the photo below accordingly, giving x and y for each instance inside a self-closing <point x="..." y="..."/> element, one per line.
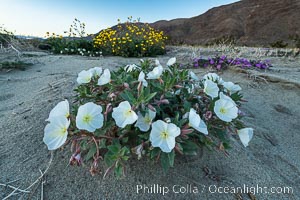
<point x="271" y="160"/>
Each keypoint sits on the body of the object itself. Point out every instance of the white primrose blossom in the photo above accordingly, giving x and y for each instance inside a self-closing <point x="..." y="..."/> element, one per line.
<point x="89" y="117"/>
<point x="130" y="68"/>
<point x="226" y="110"/>
<point x="155" y="73"/>
<point x="157" y="63"/>
<point x="211" y="88"/>
<point x="225" y="97"/>
<point x="196" y="122"/>
<point x="231" y="87"/>
<point x="143" y="123"/>
<point x="96" y="71"/>
<point x="193" y="76"/>
<point x="124" y="115"/>
<point x="56" y="132"/>
<point x="84" y="77"/>
<point x="62" y="109"/>
<point x="245" y="135"/>
<point x="104" y="78"/>
<point x="213" y="77"/>
<point x="142" y="79"/>
<point x="163" y="135"/>
<point x="171" y="61"/>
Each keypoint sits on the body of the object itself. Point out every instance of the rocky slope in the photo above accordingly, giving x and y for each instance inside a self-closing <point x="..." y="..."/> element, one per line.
<point x="250" y="22"/>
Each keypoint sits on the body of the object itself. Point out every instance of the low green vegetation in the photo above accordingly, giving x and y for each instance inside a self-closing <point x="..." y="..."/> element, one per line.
<point x="18" y="65"/>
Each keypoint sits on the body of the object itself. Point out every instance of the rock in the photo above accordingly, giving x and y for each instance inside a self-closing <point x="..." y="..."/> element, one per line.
<point x="282" y="109"/>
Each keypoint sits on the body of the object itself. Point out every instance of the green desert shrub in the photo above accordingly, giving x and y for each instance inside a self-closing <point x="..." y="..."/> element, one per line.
<point x="146" y="111"/>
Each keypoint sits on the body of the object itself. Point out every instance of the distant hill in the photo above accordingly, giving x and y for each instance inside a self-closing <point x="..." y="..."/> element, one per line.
<point x="250" y="22"/>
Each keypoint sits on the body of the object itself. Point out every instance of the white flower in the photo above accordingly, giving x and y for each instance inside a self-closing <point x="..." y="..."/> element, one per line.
<point x="130" y="68"/>
<point x="211" y="88"/>
<point x="245" y="135"/>
<point x="104" y="78"/>
<point x="196" y="122"/>
<point x="163" y="135"/>
<point x="89" y="117"/>
<point x="231" y="87"/>
<point x="62" y="109"/>
<point x="157" y="63"/>
<point x="171" y="61"/>
<point x="143" y="123"/>
<point x="138" y="150"/>
<point x="213" y="77"/>
<point x="124" y="115"/>
<point x="155" y="73"/>
<point x="56" y="132"/>
<point x="84" y="77"/>
<point x="193" y="76"/>
<point x="96" y="71"/>
<point x="142" y="79"/>
<point x="225" y="97"/>
<point x="225" y="110"/>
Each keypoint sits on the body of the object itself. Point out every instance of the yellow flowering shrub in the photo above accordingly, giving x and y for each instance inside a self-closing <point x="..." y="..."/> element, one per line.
<point x="131" y="39"/>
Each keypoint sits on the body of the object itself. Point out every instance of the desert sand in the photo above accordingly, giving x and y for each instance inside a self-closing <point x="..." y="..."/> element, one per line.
<point x="271" y="159"/>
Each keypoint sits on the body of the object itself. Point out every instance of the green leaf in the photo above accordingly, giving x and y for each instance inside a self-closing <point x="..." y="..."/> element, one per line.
<point x="187" y="106"/>
<point x="165" y="162"/>
<point x="92" y="151"/>
<point x="102" y="143"/>
<point x="149" y="97"/>
<point x="126" y="95"/>
<point x="83" y="145"/>
<point x="189" y="148"/>
<point x="154" y="152"/>
<point x="119" y="171"/>
<point x="113" y="148"/>
<point x="236" y="97"/>
<point x="171" y="156"/>
<point x="125" y="139"/>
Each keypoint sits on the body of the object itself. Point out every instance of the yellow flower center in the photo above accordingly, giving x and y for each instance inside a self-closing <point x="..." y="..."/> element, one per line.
<point x="88" y="79"/>
<point x="223" y="110"/>
<point x="164" y="135"/>
<point x="128" y="113"/>
<point x="63" y="130"/>
<point x="87" y="118"/>
<point x="147" y="120"/>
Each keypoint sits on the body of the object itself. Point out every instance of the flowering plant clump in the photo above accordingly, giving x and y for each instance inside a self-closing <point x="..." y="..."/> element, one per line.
<point x="146" y="110"/>
<point x="131" y="39"/>
<point x="223" y="62"/>
<point x="74" y="43"/>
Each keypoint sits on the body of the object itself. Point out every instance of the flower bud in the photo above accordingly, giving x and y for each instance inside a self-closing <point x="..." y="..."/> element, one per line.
<point x="112" y="96"/>
<point x="75" y="159"/>
<point x="94" y="168"/>
<point x="151" y="108"/>
<point x="126" y="85"/>
<point x="108" y="108"/>
<point x="208" y="115"/>
<point x="178" y="86"/>
<point x="168" y="120"/>
<point x="164" y="101"/>
<point x="186" y="131"/>
<point x="138" y="151"/>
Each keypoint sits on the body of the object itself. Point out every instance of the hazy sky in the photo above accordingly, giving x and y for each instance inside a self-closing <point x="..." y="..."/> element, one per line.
<point x="36" y="17"/>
